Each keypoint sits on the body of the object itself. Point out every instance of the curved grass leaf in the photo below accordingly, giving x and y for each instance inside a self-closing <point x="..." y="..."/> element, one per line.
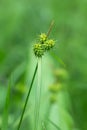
<point x="57" y="59"/>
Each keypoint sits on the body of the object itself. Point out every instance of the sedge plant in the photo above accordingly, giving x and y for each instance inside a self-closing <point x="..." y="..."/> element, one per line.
<point x="43" y="45"/>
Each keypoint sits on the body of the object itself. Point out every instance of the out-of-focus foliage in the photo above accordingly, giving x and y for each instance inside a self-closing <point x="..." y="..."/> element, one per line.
<point x="20" y="23"/>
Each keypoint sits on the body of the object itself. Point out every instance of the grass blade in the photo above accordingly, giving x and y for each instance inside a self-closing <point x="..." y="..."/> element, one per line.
<point x="57" y="127"/>
<point x="27" y="97"/>
<point x="6" y="108"/>
<point x="57" y="58"/>
<point x="38" y="95"/>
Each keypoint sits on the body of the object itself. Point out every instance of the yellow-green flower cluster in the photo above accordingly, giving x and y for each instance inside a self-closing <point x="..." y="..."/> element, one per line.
<point x="42" y="37"/>
<point x="61" y="78"/>
<point x="54" y="89"/>
<point x="38" y="50"/>
<point x="44" y="44"/>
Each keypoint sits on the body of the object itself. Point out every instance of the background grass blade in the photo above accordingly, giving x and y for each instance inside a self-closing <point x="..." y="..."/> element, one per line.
<point x="57" y="58"/>
<point x="27" y="97"/>
<point x="6" y="108"/>
<point x="56" y="126"/>
<point x="38" y="95"/>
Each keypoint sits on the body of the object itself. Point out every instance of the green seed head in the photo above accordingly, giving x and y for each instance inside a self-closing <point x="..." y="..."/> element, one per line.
<point x="53" y="99"/>
<point x="49" y="44"/>
<point x="43" y="37"/>
<point x="55" y="88"/>
<point x="43" y="45"/>
<point x="61" y="75"/>
<point x="38" y="50"/>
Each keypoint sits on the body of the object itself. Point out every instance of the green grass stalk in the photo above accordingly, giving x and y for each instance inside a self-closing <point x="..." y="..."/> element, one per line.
<point x="38" y="94"/>
<point x="20" y="122"/>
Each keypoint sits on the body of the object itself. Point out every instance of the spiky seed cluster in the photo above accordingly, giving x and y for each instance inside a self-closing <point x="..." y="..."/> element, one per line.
<point x="38" y="50"/>
<point x="49" y="44"/>
<point x="43" y="37"/>
<point x="43" y="45"/>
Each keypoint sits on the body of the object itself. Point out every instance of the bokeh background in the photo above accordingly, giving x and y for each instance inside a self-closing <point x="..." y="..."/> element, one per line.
<point x="21" y="21"/>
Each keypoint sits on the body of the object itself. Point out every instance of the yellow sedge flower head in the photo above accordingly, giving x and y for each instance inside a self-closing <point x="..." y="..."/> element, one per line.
<point x="38" y="50"/>
<point x="44" y="44"/>
<point x="43" y="37"/>
<point x="49" y="44"/>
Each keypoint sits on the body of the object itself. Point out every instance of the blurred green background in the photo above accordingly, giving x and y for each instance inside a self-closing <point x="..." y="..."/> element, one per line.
<point x="21" y="21"/>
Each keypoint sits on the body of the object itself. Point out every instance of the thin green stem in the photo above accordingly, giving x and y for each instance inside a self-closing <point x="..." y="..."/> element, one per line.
<point x="27" y="97"/>
<point x="38" y="95"/>
<point x="50" y="28"/>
